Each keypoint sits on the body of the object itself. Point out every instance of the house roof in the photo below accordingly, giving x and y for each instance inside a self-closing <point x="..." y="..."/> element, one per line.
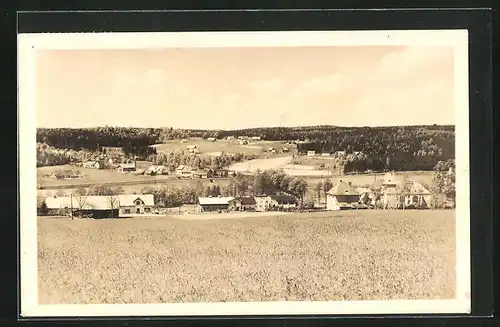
<point x="417" y="188"/>
<point x="215" y="200"/>
<point x="191" y="146"/>
<point x="342" y="188"/>
<point x="127" y="165"/>
<point x="184" y="167"/>
<point x="127" y="200"/>
<point x="247" y="200"/>
<point x="362" y="190"/>
<point x="283" y="198"/>
<point x="88" y="202"/>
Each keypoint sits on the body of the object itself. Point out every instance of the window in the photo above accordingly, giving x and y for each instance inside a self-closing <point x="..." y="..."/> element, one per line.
<point x="138" y="202"/>
<point x="147" y="209"/>
<point x="126" y="210"/>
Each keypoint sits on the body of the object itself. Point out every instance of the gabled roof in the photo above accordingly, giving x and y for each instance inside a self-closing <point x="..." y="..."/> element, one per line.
<point x="127" y="200"/>
<point x="127" y="165"/>
<point x="282" y="199"/>
<point x="184" y="167"/>
<point x="417" y="188"/>
<point x="215" y="200"/>
<point x="342" y="188"/>
<point x="247" y="200"/>
<point x="200" y="172"/>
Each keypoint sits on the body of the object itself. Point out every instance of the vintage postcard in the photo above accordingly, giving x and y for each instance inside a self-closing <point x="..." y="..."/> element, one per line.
<point x="244" y="173"/>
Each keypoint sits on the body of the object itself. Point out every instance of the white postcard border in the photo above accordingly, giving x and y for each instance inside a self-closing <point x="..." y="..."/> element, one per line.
<point x="28" y="44"/>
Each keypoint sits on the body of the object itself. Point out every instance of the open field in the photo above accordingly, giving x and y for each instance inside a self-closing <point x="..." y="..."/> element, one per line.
<point x="228" y="146"/>
<point x="349" y="255"/>
<point x="260" y="164"/>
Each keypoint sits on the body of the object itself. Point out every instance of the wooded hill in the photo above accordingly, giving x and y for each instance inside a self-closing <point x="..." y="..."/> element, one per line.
<point x="393" y="148"/>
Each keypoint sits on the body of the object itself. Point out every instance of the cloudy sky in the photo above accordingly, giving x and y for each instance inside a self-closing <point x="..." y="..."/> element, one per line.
<point x="229" y="88"/>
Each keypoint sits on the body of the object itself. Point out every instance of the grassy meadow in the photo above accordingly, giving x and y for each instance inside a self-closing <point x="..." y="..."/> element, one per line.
<point x="344" y="255"/>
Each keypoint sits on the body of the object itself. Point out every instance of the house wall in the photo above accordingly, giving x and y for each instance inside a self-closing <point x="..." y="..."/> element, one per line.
<point x="214" y="207"/>
<point x="133" y="210"/>
<point x="331" y="202"/>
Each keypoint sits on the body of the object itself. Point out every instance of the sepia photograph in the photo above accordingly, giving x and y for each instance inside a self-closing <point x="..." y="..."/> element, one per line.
<point x="219" y="173"/>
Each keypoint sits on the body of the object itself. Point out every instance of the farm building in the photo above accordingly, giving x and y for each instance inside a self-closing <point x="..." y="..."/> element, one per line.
<point x="200" y="173"/>
<point x="127" y="167"/>
<point x="255" y="138"/>
<point x="210" y="204"/>
<point x="242" y="137"/>
<point x="184" y="171"/>
<point x="282" y="201"/>
<point x="262" y="203"/>
<point x="156" y="170"/>
<point x="340" y="153"/>
<point x="221" y="173"/>
<point x="135" y="203"/>
<point x="91" y="206"/>
<point x="285" y="149"/>
<point x="243" y="142"/>
<point x="229" y="138"/>
<point x="246" y="203"/>
<point x="325" y="154"/>
<point x="95" y="164"/>
<point x="342" y="196"/>
<point x="211" y="139"/>
<point x="311" y="153"/>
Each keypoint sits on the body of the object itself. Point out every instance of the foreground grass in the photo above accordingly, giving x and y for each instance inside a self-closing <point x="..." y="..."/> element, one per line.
<point x="323" y="256"/>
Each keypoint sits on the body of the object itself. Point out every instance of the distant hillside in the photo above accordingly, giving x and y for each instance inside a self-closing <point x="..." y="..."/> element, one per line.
<point x="393" y="147"/>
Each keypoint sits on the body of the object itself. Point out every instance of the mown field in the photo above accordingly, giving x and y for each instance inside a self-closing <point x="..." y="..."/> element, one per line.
<point x="323" y="256"/>
<point x="228" y="146"/>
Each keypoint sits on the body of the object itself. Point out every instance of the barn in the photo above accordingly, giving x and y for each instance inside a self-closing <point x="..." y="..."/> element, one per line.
<point x="88" y="206"/>
<point x="246" y="203"/>
<point x="211" y="204"/>
<point x="284" y="201"/>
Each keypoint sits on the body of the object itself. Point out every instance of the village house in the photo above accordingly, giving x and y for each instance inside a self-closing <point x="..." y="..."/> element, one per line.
<point x="311" y="153"/>
<point x="391" y="189"/>
<point x="127" y="167"/>
<point x="262" y="203"/>
<point x="95" y="164"/>
<point x="342" y="196"/>
<point x="246" y="203"/>
<point x="200" y="173"/>
<point x="64" y="174"/>
<point x="184" y="171"/>
<point x="282" y="202"/>
<point x="242" y="137"/>
<point x="285" y="149"/>
<point x="325" y="154"/>
<point x="156" y="170"/>
<point x="229" y="138"/>
<point x="366" y="196"/>
<point x="255" y="138"/>
<point x="211" y="204"/>
<point x="88" y="206"/>
<point x="418" y="196"/>
<point x="243" y="142"/>
<point x="220" y="173"/>
<point x="136" y="203"/>
<point x="211" y="139"/>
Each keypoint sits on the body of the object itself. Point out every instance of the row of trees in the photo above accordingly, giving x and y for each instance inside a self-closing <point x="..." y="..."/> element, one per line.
<point x="179" y="157"/>
<point x="443" y="184"/>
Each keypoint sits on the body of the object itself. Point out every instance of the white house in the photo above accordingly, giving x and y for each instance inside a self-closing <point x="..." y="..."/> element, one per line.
<point x="311" y="153"/>
<point x="262" y="203"/>
<point x="255" y="138"/>
<point x="211" y="139"/>
<point x="418" y="196"/>
<point x="96" y="164"/>
<point x="136" y="203"/>
<point x="341" y="196"/>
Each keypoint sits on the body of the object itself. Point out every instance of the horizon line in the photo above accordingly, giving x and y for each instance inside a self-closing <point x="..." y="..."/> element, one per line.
<point x="243" y="129"/>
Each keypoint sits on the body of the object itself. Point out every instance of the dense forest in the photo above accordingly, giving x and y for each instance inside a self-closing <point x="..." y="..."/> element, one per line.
<point x="383" y="148"/>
